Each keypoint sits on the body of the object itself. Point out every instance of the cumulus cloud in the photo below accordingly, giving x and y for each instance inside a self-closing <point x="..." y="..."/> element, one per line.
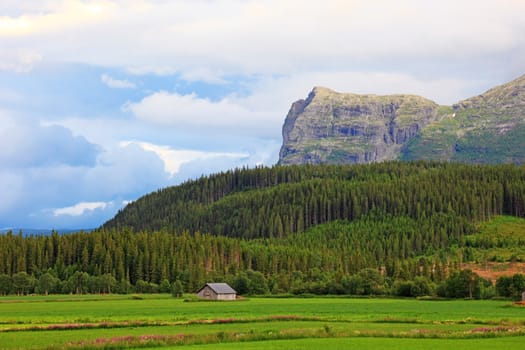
<point x="116" y="83"/>
<point x="204" y="39"/>
<point x="175" y="109"/>
<point x="83" y="215"/>
<point x="27" y="144"/>
<point x="173" y="159"/>
<point x="41" y="195"/>
<point x="124" y="172"/>
<point x="45" y="168"/>
<point x="55" y="17"/>
<point x="25" y="7"/>
<point x="79" y="208"/>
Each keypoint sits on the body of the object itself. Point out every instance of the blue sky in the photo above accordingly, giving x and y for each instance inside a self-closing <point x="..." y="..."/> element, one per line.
<point x="103" y="101"/>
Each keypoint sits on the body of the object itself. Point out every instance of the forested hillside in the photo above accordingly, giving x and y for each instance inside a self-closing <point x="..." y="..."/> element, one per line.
<point x="278" y="201"/>
<point x="400" y="228"/>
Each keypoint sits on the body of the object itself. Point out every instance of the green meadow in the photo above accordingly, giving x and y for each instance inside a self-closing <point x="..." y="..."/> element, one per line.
<point x="153" y="321"/>
<point x="372" y="343"/>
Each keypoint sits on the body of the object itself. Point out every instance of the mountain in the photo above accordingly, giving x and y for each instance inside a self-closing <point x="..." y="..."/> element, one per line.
<point x="341" y="128"/>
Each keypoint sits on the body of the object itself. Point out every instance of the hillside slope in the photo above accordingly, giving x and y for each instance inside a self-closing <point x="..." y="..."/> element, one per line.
<point x="316" y="229"/>
<point x="338" y="128"/>
<point x="279" y="201"/>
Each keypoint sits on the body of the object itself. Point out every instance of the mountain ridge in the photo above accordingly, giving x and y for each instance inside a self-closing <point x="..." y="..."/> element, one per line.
<point x="341" y="128"/>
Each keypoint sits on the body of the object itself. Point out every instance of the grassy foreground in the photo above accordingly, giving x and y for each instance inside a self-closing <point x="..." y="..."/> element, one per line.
<point x="117" y="322"/>
<point x="514" y="343"/>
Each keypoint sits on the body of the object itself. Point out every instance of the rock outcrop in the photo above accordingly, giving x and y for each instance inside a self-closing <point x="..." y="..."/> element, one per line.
<point x="331" y="127"/>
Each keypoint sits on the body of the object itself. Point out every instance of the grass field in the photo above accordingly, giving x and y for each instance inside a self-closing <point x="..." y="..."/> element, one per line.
<point x="117" y="322"/>
<point x="514" y="343"/>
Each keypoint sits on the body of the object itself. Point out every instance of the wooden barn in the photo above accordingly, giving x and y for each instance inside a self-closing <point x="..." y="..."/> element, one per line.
<point x="217" y="291"/>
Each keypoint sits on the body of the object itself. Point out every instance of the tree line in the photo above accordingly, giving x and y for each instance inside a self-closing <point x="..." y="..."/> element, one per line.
<point x="300" y="229"/>
<point x="459" y="284"/>
<point x="333" y="258"/>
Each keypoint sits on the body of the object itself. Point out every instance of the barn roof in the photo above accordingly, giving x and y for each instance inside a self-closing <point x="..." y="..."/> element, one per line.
<point x="220" y="288"/>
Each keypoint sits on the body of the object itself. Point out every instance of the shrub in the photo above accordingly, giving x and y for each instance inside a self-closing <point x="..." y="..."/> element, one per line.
<point x="403" y="288"/>
<point x="177" y="289"/>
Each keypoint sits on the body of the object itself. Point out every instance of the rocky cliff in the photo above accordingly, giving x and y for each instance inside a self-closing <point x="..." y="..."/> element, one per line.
<point x="331" y="127"/>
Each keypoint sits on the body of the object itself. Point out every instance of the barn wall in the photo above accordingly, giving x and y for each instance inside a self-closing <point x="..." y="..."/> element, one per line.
<point x="226" y="297"/>
<point x="207" y="293"/>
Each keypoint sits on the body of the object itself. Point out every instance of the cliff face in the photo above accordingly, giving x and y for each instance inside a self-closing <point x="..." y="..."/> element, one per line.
<point x="331" y="127"/>
<point x="489" y="128"/>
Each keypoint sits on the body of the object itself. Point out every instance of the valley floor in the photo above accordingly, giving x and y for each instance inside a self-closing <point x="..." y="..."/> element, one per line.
<point x="160" y="321"/>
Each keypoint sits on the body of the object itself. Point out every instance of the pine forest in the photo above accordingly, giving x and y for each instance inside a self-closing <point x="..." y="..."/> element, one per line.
<point x="407" y="229"/>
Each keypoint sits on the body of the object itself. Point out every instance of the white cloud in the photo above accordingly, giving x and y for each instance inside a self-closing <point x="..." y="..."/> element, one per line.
<point x="172" y="108"/>
<point x="174" y="159"/>
<point x="62" y="15"/>
<point x="27" y="144"/>
<point x="204" y="74"/>
<point x="28" y="193"/>
<point x="192" y="111"/>
<point x="79" y="208"/>
<point x="116" y="83"/>
<point x="210" y="39"/>
<point x="48" y="167"/>
<point x="18" y="61"/>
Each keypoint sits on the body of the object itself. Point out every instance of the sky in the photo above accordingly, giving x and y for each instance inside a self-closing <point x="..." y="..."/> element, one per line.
<point x="104" y="101"/>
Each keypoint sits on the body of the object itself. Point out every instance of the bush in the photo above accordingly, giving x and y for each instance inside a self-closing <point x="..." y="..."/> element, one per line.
<point x="353" y="284"/>
<point x="177" y="289"/>
<point x="420" y="286"/>
<point x="165" y="286"/>
<point x="241" y="283"/>
<point x="372" y="281"/>
<point x="5" y="284"/>
<point x="463" y="284"/>
<point x="257" y="283"/>
<point x="423" y="286"/>
<point x="441" y="290"/>
<point x="488" y="292"/>
<point x="403" y="288"/>
<point x="507" y="286"/>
